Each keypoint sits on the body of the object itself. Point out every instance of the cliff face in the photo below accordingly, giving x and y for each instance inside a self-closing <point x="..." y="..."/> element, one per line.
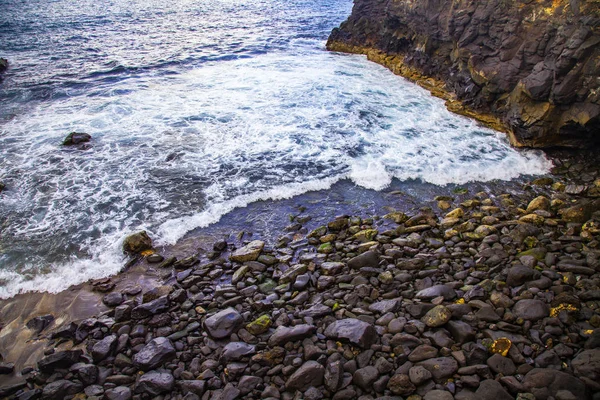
<point x="530" y="68"/>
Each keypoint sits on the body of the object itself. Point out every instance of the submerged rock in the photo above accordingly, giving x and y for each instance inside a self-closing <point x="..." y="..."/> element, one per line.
<point x="75" y="138"/>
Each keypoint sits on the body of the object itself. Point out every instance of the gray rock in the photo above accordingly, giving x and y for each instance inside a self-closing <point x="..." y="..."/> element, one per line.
<point x="332" y="268"/>
<point x="223" y="323"/>
<point x="195" y="386"/>
<point x="422" y="352"/>
<point x="492" y="390"/>
<point x="385" y="306"/>
<point x="356" y="331"/>
<point x="366" y="259"/>
<point x="419" y="375"/>
<point x="318" y="310"/>
<point x="150" y="308"/>
<point x="365" y="377"/>
<point x="285" y="334"/>
<point x="460" y="331"/>
<point x="436" y="291"/>
<point x="248" y="383"/>
<point x="87" y="373"/>
<point x="520" y="274"/>
<point x="155" y="383"/>
<point x="230" y="392"/>
<point x="311" y="373"/>
<point x="235" y="351"/>
<point x="501" y="365"/>
<point x="118" y="393"/>
<point x="113" y="299"/>
<point x="334" y="374"/>
<point x="531" y="310"/>
<point x="60" y="389"/>
<point x="546" y="382"/>
<point x="154" y="354"/>
<point x="441" y="368"/>
<point x="104" y="348"/>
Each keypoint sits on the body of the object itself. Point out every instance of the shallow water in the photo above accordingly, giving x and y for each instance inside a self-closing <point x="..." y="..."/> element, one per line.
<point x="197" y="110"/>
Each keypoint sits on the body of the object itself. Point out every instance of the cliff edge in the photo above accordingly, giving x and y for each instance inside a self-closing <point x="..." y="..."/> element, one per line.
<point x="529" y="68"/>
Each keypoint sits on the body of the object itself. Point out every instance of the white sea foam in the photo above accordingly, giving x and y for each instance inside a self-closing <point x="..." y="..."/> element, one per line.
<point x="175" y="153"/>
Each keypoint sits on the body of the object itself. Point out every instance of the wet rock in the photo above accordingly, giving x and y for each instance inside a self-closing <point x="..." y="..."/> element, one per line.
<point x="6" y="368"/>
<point x="75" y="138"/>
<point x="87" y="373"/>
<point x="223" y="323"/>
<point x="154" y="354"/>
<point x="155" y="383"/>
<point x="38" y="324"/>
<point x="250" y="252"/>
<point x="137" y="243"/>
<point x="531" y="310"/>
<point x="112" y="299"/>
<point x="437" y="316"/>
<point x="154" y="258"/>
<point x="61" y="359"/>
<point x="60" y="389"/>
<point x="150" y="308"/>
<point x="285" y="334"/>
<point x="104" y="348"/>
<point x="311" y="373"/>
<point x="356" y="331"/>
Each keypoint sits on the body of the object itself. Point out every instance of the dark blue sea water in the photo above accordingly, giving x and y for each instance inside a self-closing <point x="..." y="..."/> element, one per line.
<point x="196" y="109"/>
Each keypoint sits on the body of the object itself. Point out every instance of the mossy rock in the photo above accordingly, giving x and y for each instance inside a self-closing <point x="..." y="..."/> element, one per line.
<point x="137" y="243"/>
<point x="259" y="325"/>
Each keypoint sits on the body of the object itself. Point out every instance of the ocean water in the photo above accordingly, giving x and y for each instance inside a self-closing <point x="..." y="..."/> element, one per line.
<point x="198" y="108"/>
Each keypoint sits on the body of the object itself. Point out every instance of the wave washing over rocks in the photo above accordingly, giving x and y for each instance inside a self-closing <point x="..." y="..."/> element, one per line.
<point x="484" y="296"/>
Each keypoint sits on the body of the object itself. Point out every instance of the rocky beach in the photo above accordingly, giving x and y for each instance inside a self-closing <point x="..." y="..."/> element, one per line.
<point x="479" y="296"/>
<point x="253" y="217"/>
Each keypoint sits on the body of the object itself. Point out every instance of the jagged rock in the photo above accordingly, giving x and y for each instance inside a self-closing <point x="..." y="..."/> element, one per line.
<point x="38" y="324"/>
<point x="74" y="138"/>
<point x="104" y="348"/>
<point x="250" y="252"/>
<point x="223" y="323"/>
<point x="61" y="359"/>
<point x="356" y="331"/>
<point x="154" y="354"/>
<point x="87" y="373"/>
<point x="309" y="374"/>
<point x="150" y="308"/>
<point x="136" y="243"/>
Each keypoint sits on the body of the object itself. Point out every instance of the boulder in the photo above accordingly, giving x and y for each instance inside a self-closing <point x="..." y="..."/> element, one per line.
<point x="250" y="252"/>
<point x="75" y="138"/>
<point x="137" y="243"/>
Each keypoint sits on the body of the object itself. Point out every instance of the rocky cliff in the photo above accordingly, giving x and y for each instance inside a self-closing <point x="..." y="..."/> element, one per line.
<point x="530" y="68"/>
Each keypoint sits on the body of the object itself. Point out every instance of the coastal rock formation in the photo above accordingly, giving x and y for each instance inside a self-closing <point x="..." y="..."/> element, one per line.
<point x="530" y="68"/>
<point x="3" y="66"/>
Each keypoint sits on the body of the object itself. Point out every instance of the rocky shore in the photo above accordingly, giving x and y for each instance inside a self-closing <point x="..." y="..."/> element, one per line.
<point x="482" y="296"/>
<point x="527" y="68"/>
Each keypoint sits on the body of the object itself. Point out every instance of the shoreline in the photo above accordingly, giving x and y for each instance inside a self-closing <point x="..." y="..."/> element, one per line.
<point x="295" y="248"/>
